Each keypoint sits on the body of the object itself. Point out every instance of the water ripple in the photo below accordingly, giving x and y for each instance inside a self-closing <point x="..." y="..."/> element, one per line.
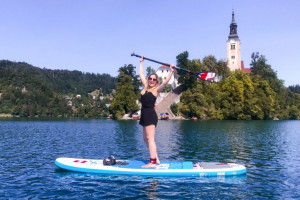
<point x="270" y="150"/>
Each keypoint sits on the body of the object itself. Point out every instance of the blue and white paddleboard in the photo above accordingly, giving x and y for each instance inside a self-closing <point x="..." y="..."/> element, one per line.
<point x="165" y="169"/>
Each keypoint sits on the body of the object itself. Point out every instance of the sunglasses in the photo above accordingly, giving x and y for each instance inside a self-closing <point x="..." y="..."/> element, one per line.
<point x="152" y="79"/>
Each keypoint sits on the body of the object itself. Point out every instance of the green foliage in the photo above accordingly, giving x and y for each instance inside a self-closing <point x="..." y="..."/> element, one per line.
<point x="219" y="67"/>
<point x="182" y="59"/>
<point x="240" y="96"/>
<point x="208" y="63"/>
<point x="243" y="98"/>
<point x="129" y="70"/>
<point x="168" y="88"/>
<point x="189" y="80"/>
<point x="28" y="91"/>
<point x="61" y="81"/>
<point x="261" y="68"/>
<point x="174" y="108"/>
<point x="295" y="88"/>
<point x="149" y="71"/>
<point x="184" y="78"/>
<point x="126" y="94"/>
<point x="199" y="101"/>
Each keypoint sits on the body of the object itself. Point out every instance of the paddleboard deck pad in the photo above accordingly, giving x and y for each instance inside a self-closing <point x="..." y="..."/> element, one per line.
<point x="165" y="169"/>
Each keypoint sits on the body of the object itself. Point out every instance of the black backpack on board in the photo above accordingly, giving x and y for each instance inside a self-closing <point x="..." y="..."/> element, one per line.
<point x="109" y="161"/>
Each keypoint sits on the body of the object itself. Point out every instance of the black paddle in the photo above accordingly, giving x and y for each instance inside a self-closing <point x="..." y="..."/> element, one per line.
<point x="206" y="76"/>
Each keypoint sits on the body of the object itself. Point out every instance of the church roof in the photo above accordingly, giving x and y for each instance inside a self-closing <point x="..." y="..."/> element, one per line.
<point x="163" y="66"/>
<point x="246" y="70"/>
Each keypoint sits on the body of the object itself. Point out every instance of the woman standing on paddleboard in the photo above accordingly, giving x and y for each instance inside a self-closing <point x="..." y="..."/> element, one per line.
<point x="148" y="115"/>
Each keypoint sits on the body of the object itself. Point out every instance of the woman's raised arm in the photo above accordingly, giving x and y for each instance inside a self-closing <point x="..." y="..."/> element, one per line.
<point x="163" y="85"/>
<point x="141" y="70"/>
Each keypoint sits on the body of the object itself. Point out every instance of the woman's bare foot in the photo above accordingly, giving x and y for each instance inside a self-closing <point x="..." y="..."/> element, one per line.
<point x="157" y="160"/>
<point x="149" y="165"/>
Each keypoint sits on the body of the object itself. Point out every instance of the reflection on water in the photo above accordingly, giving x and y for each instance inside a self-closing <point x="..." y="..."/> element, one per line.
<point x="269" y="149"/>
<point x="151" y="190"/>
<point x="126" y="140"/>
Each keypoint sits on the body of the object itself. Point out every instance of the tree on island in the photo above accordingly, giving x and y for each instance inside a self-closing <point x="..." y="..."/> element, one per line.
<point x="258" y="95"/>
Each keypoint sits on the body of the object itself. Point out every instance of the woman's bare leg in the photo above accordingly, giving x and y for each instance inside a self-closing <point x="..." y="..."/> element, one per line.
<point x="149" y="138"/>
<point x="146" y="142"/>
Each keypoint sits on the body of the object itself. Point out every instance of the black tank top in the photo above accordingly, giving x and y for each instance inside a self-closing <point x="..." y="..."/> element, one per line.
<point x="148" y="100"/>
<point x="148" y="114"/>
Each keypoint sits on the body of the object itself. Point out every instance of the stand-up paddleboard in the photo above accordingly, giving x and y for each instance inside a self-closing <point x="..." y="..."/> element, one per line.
<point x="165" y="169"/>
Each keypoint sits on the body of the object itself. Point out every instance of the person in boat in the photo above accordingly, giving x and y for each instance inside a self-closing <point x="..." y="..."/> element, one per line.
<point x="149" y="117"/>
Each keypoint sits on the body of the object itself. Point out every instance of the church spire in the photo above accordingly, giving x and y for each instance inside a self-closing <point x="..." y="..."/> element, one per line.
<point x="233" y="20"/>
<point x="233" y="29"/>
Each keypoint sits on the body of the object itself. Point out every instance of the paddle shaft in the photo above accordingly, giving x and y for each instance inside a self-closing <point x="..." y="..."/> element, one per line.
<point x="166" y="64"/>
<point x="133" y="54"/>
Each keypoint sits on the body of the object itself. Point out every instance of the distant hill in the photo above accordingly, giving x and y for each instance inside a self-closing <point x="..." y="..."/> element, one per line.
<point x="61" y="81"/>
<point x="26" y="90"/>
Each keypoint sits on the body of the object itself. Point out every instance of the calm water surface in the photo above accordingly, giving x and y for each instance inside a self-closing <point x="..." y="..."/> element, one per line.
<point x="269" y="149"/>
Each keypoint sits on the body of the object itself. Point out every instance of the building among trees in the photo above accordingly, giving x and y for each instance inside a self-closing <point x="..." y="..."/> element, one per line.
<point x="163" y="72"/>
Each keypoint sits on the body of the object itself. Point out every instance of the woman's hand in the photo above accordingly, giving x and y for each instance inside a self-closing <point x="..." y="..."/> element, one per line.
<point x="142" y="59"/>
<point x="171" y="67"/>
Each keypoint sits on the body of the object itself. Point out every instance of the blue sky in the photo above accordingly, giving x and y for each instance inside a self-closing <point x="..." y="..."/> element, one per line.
<point x="98" y="36"/>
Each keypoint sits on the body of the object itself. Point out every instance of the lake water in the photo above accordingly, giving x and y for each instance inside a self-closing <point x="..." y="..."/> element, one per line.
<point x="269" y="149"/>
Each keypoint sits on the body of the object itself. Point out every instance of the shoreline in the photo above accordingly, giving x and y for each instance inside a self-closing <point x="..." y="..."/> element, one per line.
<point x="3" y="115"/>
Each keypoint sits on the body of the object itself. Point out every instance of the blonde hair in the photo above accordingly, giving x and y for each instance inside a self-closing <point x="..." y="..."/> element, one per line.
<point x="153" y="88"/>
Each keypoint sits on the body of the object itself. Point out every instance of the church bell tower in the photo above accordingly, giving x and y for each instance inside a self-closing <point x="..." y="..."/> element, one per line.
<point x="233" y="47"/>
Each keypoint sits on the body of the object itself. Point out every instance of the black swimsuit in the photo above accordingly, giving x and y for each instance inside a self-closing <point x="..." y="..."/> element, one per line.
<point x="148" y="114"/>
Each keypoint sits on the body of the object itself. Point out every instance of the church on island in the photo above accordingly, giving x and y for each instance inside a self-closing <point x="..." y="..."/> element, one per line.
<point x="234" y="61"/>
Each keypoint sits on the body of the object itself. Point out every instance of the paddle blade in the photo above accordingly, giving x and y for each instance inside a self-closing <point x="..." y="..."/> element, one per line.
<point x="207" y="76"/>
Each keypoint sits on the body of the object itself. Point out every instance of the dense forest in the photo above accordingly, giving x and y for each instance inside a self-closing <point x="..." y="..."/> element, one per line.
<point x="26" y="91"/>
<point x="234" y="96"/>
<point x="257" y="95"/>
<point x="295" y="88"/>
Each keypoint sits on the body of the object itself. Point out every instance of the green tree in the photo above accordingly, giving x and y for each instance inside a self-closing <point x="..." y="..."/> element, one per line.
<point x="199" y="101"/>
<point x="149" y="71"/>
<point x="284" y="99"/>
<point x="168" y="88"/>
<point x="243" y="98"/>
<point x="186" y="79"/>
<point x="295" y="88"/>
<point x="129" y="70"/>
<point x="174" y="108"/>
<point x="126" y="96"/>
<point x="260" y="67"/>
<point x="232" y="97"/>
